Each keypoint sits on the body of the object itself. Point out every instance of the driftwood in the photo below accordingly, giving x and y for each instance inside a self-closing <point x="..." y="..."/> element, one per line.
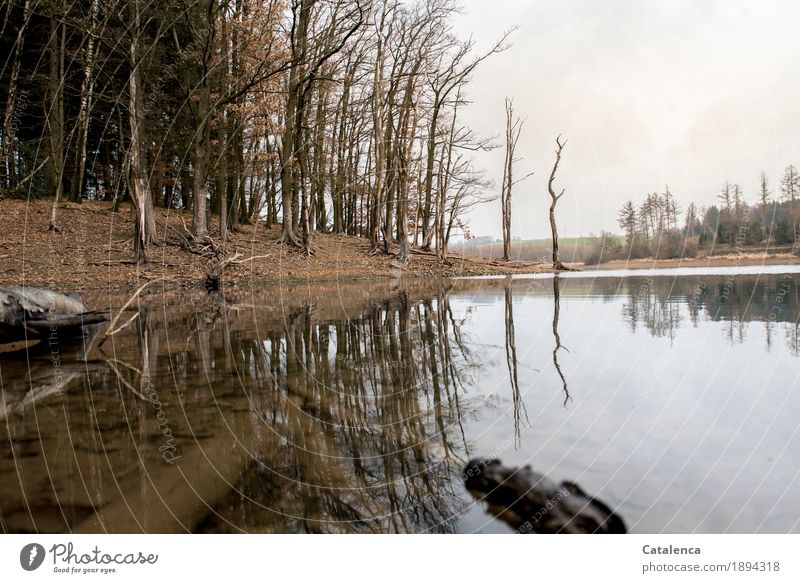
<point x="29" y="313"/>
<point x="530" y="502"/>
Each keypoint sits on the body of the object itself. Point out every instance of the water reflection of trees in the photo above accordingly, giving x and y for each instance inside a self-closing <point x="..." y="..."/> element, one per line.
<point x="556" y="336"/>
<point x="319" y="419"/>
<point x="513" y="367"/>
<point x="660" y="305"/>
<point x="368" y="413"/>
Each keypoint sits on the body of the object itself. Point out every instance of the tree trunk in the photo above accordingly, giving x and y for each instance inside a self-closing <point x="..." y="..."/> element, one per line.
<point x="85" y="107"/>
<point x="557" y="265"/>
<point x="55" y="117"/>
<point x="427" y="234"/>
<point x="200" y="163"/>
<point x="9" y="130"/>
<point x="290" y="133"/>
<point x="378" y="143"/>
<point x="138" y="182"/>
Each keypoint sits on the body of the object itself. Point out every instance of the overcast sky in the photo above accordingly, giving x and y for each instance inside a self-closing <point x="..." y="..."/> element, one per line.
<point x="648" y="93"/>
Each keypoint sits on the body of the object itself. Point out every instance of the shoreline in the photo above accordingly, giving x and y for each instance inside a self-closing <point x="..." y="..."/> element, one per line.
<point x="726" y="260"/>
<point x="93" y="252"/>
<point x="94" y="248"/>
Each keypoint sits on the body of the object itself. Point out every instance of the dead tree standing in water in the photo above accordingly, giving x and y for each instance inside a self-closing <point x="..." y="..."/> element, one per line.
<point x="557" y="265"/>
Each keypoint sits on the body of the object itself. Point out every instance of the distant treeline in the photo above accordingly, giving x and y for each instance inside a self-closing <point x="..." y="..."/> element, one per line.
<point x="655" y="229"/>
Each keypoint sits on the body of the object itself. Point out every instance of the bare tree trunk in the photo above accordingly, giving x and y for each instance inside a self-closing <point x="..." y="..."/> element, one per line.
<point x="343" y="156"/>
<point x="9" y="132"/>
<point x="445" y="168"/>
<point x="225" y="161"/>
<point x="513" y="131"/>
<point x="199" y="162"/>
<point x="403" y="179"/>
<point x="55" y="116"/>
<point x="379" y="146"/>
<point x="139" y="184"/>
<point x="86" y="105"/>
<point x="221" y="191"/>
<point x="290" y="143"/>
<point x="318" y="170"/>
<point x="557" y="265"/>
<point x="427" y="233"/>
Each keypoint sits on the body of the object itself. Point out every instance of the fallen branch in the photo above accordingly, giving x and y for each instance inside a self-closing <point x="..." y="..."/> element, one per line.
<point x="32" y="174"/>
<point x="122" y="379"/>
<point x="213" y="279"/>
<point x="111" y="330"/>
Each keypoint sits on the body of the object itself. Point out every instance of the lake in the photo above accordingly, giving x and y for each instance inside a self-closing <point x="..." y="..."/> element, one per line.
<point x="672" y="397"/>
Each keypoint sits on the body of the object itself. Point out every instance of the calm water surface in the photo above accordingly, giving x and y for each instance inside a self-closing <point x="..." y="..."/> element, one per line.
<point x="673" y="399"/>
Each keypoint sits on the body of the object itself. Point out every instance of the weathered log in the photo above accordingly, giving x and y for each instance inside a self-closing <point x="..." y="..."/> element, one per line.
<point x="530" y="502"/>
<point x="29" y="313"/>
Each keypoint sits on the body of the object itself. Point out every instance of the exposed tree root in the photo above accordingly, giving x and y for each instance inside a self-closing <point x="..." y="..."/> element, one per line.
<point x="213" y="280"/>
<point x="558" y="266"/>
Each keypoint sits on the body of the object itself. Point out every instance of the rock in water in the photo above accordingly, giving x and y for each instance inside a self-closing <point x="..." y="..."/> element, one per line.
<point x="27" y="312"/>
<point x="530" y="502"/>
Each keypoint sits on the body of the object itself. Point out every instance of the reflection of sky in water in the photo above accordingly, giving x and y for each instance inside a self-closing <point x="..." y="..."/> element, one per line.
<point x="692" y="429"/>
<point x="343" y="412"/>
<point x="660" y="272"/>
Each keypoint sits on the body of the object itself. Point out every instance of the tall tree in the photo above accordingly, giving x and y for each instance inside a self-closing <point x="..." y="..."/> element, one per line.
<point x="626" y="219"/>
<point x="9" y="151"/>
<point x="54" y="115"/>
<point x="138" y="182"/>
<point x="790" y="189"/>
<point x="86" y="96"/>
<point x="554" y="198"/>
<point x="513" y="131"/>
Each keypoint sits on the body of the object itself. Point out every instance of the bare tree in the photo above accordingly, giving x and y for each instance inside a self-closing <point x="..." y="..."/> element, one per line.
<point x="8" y="151"/>
<point x="138" y="183"/>
<point x="304" y="68"/>
<point x="554" y="198"/>
<point x="54" y="117"/>
<point x="453" y="71"/>
<point x="86" y="96"/>
<point x="513" y="130"/>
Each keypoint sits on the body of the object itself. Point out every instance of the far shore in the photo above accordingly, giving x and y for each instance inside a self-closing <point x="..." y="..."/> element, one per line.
<point x="727" y="260"/>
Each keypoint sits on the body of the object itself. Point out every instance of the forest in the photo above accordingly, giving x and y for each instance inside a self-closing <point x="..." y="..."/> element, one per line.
<point x="339" y="116"/>
<point x="659" y="228"/>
